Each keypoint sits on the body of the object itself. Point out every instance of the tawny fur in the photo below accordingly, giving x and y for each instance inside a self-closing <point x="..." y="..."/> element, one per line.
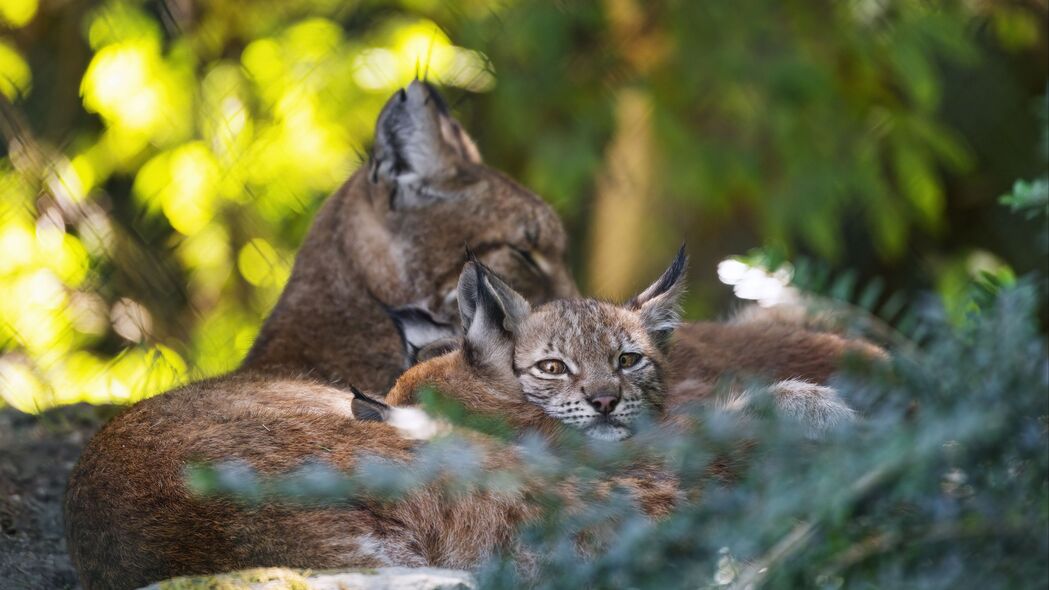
<point x="145" y="524"/>
<point x="709" y="350"/>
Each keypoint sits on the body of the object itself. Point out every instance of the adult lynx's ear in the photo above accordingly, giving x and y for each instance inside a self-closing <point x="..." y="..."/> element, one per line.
<point x="417" y="140"/>
<point x="658" y="304"/>
<point x="424" y="336"/>
<point x="491" y="311"/>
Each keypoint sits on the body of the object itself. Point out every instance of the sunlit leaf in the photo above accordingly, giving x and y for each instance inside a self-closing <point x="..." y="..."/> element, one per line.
<point x="120" y="85"/>
<point x="19" y="387"/>
<point x="261" y="265"/>
<point x="18" y="13"/>
<point x="183" y="184"/>
<point x="138" y="92"/>
<point x="15" y="76"/>
<point x="120" y="21"/>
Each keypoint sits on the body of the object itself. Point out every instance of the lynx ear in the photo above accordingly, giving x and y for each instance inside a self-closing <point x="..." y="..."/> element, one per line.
<point x="491" y="312"/>
<point x="424" y="336"/>
<point x="658" y="304"/>
<point x="417" y="140"/>
<point x="367" y="409"/>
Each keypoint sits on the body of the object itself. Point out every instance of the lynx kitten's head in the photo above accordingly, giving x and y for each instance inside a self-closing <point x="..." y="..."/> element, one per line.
<point x="592" y="365"/>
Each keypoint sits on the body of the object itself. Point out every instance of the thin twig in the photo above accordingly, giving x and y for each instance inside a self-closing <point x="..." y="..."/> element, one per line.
<point x="755" y="573"/>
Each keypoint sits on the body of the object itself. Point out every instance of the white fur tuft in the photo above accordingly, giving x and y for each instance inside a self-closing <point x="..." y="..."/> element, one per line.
<point x="416" y="424"/>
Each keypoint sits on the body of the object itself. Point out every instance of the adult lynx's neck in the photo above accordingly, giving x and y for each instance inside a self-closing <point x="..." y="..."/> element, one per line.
<point x="327" y="323"/>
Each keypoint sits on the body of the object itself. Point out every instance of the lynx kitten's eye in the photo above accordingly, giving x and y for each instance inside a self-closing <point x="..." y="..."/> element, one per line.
<point x="628" y="359"/>
<point x="552" y="366"/>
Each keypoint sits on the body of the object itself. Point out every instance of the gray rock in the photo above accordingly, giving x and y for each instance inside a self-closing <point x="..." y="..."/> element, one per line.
<point x="384" y="578"/>
<point x="395" y="578"/>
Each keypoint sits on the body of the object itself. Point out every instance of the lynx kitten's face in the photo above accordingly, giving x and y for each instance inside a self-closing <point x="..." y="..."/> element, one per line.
<point x="590" y="364"/>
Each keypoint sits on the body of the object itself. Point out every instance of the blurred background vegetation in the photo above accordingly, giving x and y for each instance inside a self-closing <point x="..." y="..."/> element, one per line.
<point x="163" y="159"/>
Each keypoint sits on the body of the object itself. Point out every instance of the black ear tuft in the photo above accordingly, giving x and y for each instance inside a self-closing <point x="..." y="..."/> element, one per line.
<point x="468" y="294"/>
<point x="658" y="304"/>
<point x="436" y="98"/>
<point x="367" y="409"/>
<point x="672" y="277"/>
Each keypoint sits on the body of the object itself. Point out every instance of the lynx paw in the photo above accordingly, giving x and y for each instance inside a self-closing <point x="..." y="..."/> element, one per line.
<point x="819" y="408"/>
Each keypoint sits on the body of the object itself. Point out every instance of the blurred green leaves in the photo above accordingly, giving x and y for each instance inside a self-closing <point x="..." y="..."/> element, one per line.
<point x="146" y="244"/>
<point x="18" y="13"/>
<point x="15" y="76"/>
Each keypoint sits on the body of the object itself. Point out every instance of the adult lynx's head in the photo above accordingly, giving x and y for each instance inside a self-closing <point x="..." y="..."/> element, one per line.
<point x="591" y="365"/>
<point x="390" y="243"/>
<point x="431" y="193"/>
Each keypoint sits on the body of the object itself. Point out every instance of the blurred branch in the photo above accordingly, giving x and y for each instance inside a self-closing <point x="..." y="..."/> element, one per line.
<point x="755" y="573"/>
<point x="22" y="148"/>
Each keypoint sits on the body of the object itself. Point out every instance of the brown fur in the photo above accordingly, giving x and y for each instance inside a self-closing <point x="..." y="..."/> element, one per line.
<point x="145" y="525"/>
<point x="704" y="352"/>
<point x="133" y="519"/>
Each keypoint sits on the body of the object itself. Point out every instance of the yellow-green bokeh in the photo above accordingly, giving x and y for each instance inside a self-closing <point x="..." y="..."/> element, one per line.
<point x="205" y="142"/>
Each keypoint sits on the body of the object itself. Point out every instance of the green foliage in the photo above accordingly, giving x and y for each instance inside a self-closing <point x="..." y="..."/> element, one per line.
<point x="799" y="111"/>
<point x="196" y="147"/>
<point x="1032" y="197"/>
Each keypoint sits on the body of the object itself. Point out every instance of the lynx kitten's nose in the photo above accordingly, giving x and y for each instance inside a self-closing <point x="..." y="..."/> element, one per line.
<point x="604" y="403"/>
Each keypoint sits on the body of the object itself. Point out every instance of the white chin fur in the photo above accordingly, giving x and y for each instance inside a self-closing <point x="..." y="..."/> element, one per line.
<point x="608" y="432"/>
